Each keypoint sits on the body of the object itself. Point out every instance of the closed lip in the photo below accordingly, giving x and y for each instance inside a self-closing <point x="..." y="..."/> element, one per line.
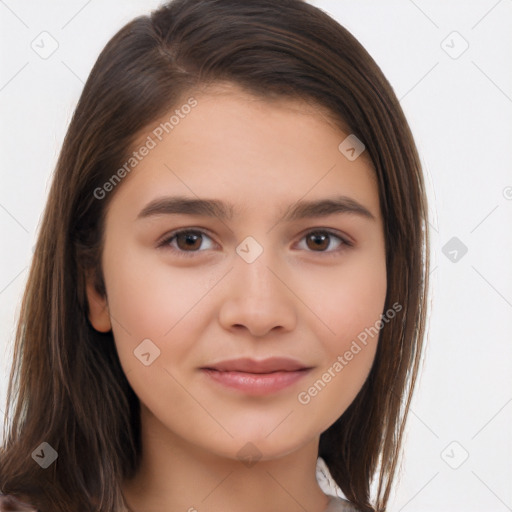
<point x="247" y="365"/>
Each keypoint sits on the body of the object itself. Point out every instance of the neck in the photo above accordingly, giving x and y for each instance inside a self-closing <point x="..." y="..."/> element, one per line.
<point x="177" y="476"/>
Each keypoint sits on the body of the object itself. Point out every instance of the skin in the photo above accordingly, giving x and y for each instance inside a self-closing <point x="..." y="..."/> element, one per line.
<point x="295" y="300"/>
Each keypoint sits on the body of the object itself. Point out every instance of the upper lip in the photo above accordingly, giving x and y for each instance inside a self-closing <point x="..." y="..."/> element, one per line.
<point x="272" y="364"/>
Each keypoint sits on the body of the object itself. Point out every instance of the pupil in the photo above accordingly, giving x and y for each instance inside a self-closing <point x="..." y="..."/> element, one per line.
<point x="319" y="240"/>
<point x="190" y="241"/>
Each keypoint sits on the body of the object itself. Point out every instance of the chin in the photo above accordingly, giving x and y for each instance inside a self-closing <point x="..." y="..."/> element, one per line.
<point x="248" y="447"/>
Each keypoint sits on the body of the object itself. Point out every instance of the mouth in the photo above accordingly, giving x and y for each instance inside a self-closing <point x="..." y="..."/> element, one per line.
<point x="257" y="377"/>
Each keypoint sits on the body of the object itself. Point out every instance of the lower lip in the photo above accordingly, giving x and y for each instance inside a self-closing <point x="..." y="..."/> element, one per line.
<point x="256" y="383"/>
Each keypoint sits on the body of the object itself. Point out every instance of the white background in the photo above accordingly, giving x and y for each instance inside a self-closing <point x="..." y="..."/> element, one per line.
<point x="460" y="111"/>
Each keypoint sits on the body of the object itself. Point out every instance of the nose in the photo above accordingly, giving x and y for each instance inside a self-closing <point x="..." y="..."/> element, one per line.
<point x="258" y="299"/>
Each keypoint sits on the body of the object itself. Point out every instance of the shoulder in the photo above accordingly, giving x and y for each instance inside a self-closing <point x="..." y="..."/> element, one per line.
<point x="9" y="503"/>
<point x="340" y="505"/>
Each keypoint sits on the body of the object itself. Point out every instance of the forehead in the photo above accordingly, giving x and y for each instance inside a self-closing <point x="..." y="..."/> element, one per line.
<point x="232" y="98"/>
<point x="248" y="149"/>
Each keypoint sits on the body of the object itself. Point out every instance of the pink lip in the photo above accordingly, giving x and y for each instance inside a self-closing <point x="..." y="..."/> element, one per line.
<point x="256" y="383"/>
<point x="257" y="377"/>
<point x="272" y="364"/>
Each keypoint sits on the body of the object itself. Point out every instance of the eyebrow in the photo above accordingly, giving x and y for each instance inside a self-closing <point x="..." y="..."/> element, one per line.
<point x="224" y="211"/>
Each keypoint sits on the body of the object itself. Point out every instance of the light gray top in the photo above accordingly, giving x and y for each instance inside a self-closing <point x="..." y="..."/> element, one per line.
<point x="340" y="505"/>
<point x="329" y="487"/>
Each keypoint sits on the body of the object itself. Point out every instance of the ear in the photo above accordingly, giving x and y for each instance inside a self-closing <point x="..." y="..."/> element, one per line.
<point x="99" y="316"/>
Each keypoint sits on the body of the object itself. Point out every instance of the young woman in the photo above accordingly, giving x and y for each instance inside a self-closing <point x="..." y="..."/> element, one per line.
<point x="229" y="287"/>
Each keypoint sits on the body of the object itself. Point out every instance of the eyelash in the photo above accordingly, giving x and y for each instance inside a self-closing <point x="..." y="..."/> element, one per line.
<point x="165" y="243"/>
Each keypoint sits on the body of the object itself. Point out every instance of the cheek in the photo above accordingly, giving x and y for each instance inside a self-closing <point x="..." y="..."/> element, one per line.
<point x="351" y="311"/>
<point x="360" y="302"/>
<point x="155" y="302"/>
<point x="149" y="300"/>
<point x="346" y="300"/>
<point x="149" y="297"/>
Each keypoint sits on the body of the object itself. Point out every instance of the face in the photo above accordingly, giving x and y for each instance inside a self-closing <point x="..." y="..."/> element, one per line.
<point x="274" y="255"/>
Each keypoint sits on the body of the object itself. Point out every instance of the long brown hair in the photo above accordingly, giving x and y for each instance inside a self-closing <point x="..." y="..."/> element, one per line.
<point x="67" y="387"/>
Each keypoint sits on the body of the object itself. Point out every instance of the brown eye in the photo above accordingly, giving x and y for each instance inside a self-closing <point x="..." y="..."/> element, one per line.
<point x="318" y="241"/>
<point x="323" y="241"/>
<point x="189" y="241"/>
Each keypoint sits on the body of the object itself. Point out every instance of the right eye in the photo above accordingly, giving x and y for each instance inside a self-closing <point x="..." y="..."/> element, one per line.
<point x="185" y="241"/>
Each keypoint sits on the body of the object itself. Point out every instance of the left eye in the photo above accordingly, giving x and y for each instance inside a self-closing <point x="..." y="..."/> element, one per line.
<point x="321" y="241"/>
<point x="190" y="241"/>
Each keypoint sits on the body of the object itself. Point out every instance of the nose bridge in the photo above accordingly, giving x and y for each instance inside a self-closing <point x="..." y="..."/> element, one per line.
<point x="252" y="263"/>
<point x="257" y="283"/>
